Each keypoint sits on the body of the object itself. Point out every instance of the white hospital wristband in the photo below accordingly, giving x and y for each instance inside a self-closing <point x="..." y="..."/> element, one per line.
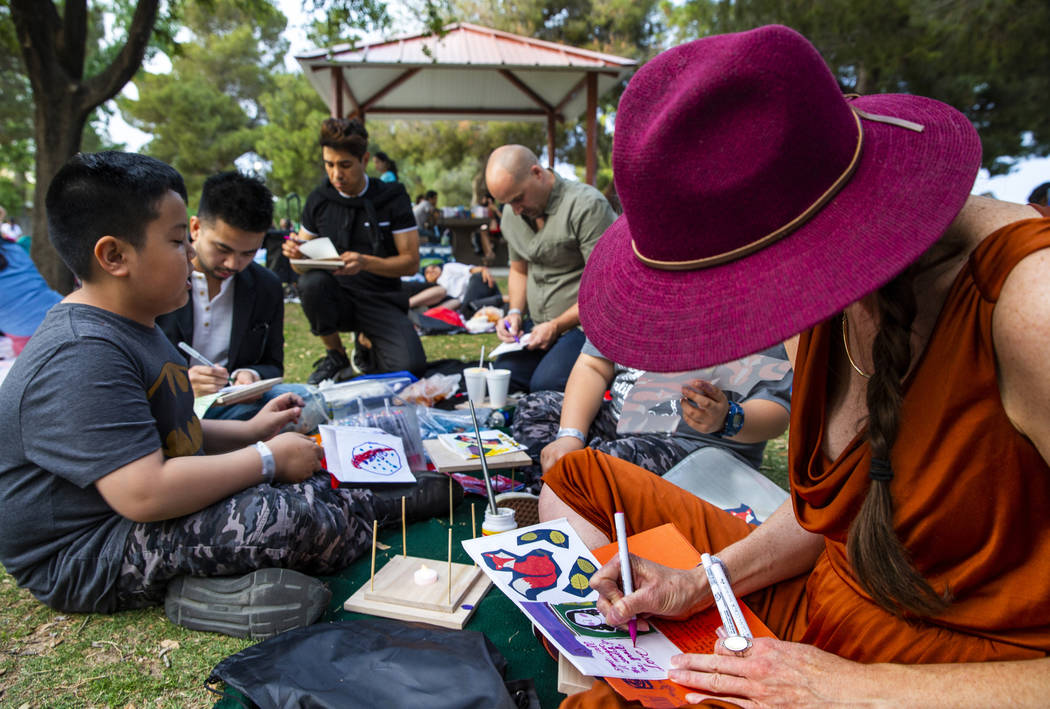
<point x="571" y="433"/>
<point x="269" y="465"/>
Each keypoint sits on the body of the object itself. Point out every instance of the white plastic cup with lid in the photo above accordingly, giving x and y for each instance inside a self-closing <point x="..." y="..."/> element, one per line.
<point x="498" y="381"/>
<point x="475" y="381"/>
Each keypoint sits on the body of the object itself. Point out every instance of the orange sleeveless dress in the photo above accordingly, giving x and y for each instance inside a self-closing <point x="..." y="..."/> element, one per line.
<point x="972" y="498"/>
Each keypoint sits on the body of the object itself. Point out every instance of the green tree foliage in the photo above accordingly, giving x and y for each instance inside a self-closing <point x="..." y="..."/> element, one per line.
<point x="995" y="67"/>
<point x="448" y="156"/>
<point x="72" y="70"/>
<point x="16" y="116"/>
<point x="337" y="22"/>
<point x="16" y="108"/>
<point x="207" y="111"/>
<point x="58" y="46"/>
<point x="622" y="27"/>
<point x="988" y="58"/>
<point x="289" y="138"/>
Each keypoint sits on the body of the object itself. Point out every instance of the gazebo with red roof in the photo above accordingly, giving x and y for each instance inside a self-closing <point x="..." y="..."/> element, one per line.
<point x="469" y="72"/>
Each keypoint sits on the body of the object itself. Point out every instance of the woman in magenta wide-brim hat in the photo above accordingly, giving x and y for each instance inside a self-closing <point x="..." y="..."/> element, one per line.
<point x="761" y="203"/>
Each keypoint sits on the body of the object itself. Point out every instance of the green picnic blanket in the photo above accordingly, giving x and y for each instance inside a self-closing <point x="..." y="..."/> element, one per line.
<point x="496" y="616"/>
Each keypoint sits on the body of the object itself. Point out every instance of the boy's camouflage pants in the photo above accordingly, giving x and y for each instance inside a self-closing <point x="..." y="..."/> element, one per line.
<point x="536" y="423"/>
<point x="308" y="527"/>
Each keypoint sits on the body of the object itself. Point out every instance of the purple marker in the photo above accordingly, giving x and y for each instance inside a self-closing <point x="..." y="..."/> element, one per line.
<point x="506" y="324"/>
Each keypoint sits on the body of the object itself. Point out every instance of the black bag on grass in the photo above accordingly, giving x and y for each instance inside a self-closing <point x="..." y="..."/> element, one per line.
<point x="372" y="663"/>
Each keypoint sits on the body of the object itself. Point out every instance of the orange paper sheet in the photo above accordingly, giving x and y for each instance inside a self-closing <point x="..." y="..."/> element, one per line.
<point x="666" y="545"/>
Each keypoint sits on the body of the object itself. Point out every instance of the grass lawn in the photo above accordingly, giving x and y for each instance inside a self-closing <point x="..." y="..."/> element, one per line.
<point x="139" y="659"/>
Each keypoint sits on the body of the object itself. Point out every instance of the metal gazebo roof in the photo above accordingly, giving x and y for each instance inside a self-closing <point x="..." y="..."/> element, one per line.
<point x="471" y="72"/>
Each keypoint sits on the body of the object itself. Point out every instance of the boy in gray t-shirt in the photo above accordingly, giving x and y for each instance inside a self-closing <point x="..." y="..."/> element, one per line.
<point x="115" y="495"/>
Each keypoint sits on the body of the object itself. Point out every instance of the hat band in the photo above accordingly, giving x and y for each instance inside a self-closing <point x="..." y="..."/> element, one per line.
<point x="795" y="223"/>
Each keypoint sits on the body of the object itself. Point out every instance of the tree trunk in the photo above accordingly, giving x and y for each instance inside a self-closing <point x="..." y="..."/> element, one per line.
<point x="54" y="48"/>
<point x="58" y="132"/>
<point x="865" y="81"/>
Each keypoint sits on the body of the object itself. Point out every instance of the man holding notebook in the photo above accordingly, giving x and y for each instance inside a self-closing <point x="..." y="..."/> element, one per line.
<point x="235" y="314"/>
<point x="371" y="226"/>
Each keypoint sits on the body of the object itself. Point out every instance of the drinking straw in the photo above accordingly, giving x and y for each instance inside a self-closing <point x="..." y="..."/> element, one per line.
<point x="481" y="359"/>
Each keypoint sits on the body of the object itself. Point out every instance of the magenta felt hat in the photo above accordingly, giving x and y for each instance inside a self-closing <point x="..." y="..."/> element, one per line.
<point x="759" y="201"/>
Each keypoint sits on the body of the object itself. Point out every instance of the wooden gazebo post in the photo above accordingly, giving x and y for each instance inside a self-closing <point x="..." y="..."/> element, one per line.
<point x="592" y="128"/>
<point x="551" y="123"/>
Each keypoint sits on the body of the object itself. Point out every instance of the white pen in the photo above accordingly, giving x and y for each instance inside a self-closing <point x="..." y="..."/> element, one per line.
<point x="738" y="634"/>
<point x="198" y="356"/>
<point x="626" y="574"/>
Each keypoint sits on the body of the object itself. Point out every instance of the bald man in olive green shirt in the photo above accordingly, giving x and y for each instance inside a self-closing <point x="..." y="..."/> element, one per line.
<point x="551" y="225"/>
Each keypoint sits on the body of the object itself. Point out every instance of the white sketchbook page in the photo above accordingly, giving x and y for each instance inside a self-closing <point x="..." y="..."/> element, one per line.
<point x="507" y="347"/>
<point x="356" y="454"/>
<point x="534" y="549"/>
<point x="239" y="392"/>
<point x="319" y="248"/>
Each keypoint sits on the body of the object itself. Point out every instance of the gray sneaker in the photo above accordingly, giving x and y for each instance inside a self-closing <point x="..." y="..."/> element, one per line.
<point x="257" y="605"/>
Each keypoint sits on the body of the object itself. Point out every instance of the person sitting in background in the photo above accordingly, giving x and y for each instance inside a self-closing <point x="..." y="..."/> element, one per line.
<point x="551" y="225"/>
<point x="25" y="298"/>
<point x="370" y="223"/>
<point x="235" y="313"/>
<point x="489" y="233"/>
<point x="456" y="286"/>
<point x="386" y="167"/>
<point x="909" y="565"/>
<point x="9" y="229"/>
<point x="736" y="422"/>
<point x="425" y="212"/>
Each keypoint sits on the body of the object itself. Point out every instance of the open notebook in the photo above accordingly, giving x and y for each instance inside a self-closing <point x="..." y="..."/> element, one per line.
<point x="241" y="392"/>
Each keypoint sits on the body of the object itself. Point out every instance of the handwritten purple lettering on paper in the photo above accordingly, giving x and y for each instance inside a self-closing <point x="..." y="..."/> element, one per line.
<point x="621" y="656"/>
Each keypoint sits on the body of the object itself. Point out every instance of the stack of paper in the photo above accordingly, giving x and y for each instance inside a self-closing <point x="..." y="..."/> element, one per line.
<point x="465" y="445"/>
<point x="508" y="347"/>
<point x="545" y="570"/>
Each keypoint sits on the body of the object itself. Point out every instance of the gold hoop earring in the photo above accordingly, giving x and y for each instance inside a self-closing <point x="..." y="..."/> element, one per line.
<point x="845" y="344"/>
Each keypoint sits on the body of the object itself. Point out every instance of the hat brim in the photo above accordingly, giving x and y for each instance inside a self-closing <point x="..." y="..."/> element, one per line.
<point x="907" y="189"/>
